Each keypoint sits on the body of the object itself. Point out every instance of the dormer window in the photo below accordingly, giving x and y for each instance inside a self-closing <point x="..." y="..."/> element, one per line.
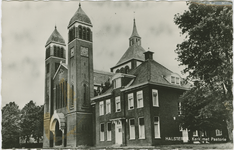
<point x="175" y="80"/>
<point x="117" y="83"/>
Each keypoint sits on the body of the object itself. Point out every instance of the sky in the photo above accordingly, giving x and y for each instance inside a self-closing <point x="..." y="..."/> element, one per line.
<point x="26" y="26"/>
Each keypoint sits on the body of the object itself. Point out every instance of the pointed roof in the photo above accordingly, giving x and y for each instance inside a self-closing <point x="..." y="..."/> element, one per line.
<point x="55" y="37"/>
<point x="80" y="16"/>
<point x="133" y="52"/>
<point x="134" y="31"/>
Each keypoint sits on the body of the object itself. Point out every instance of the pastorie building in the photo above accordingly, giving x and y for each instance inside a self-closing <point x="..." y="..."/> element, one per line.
<point x="137" y="103"/>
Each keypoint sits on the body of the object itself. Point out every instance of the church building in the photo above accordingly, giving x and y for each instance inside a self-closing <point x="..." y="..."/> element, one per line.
<point x="136" y="103"/>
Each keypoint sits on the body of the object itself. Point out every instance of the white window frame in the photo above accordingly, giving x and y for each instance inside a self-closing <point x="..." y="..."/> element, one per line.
<point x="117" y="101"/>
<point x="108" y="133"/>
<point x="101" y="108"/>
<point x="174" y="79"/>
<point x="141" y="129"/>
<point x="108" y="106"/>
<point x="140" y="101"/>
<point x="132" y="131"/>
<point x="102" y="133"/>
<point x="155" y="101"/>
<point x="158" y="127"/>
<point x="218" y="132"/>
<point x="177" y="79"/>
<point x="130" y="101"/>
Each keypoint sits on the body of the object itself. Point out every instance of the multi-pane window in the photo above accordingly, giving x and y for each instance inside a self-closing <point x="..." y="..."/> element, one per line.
<point x="218" y="132"/>
<point x="102" y="132"/>
<point x="117" y="104"/>
<point x="132" y="128"/>
<point x="109" y="131"/>
<point x="130" y="101"/>
<point x="139" y="99"/>
<point x="177" y="80"/>
<point x="155" y="97"/>
<point x="173" y="79"/>
<point x="179" y="108"/>
<point x="141" y="128"/>
<point x="156" y="127"/>
<point x="108" y="106"/>
<point x="101" y="108"/>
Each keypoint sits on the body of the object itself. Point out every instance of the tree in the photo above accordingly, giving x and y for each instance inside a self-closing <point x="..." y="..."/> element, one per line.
<point x="38" y="132"/>
<point x="207" y="54"/>
<point x="10" y="125"/>
<point x="32" y="121"/>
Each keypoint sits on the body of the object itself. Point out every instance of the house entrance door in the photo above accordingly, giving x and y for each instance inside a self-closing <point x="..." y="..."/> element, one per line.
<point x="118" y="132"/>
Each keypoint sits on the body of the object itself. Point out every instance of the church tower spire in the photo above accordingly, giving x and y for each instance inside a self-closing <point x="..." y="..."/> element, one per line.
<point x="135" y="38"/>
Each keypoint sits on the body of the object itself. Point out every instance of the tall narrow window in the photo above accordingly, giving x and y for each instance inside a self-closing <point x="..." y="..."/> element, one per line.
<point x="101" y="108"/>
<point x="177" y="80"/>
<point x="47" y="68"/>
<point x="130" y="101"/>
<point x="155" y="97"/>
<point x="102" y="132"/>
<point x="117" y="104"/>
<point x="156" y="127"/>
<point x="139" y="99"/>
<point x="55" y="51"/>
<point x="61" y="52"/>
<point x="108" y="106"/>
<point x="80" y="32"/>
<point x="173" y="79"/>
<point x="132" y="128"/>
<point x="109" y="131"/>
<point x="84" y="33"/>
<point x="72" y="95"/>
<point x="141" y="128"/>
<point x="88" y="34"/>
<point x="117" y="83"/>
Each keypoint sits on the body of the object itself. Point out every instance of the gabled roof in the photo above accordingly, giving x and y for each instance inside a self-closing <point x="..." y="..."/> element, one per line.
<point x="60" y="66"/>
<point x="133" y="52"/>
<point x="152" y="72"/>
<point x="55" y="37"/>
<point x="80" y="16"/>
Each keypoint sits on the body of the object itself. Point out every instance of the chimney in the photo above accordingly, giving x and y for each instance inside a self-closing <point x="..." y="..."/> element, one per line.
<point x="148" y="55"/>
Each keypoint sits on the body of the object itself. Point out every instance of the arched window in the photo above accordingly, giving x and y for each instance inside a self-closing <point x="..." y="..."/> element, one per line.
<point x="126" y="69"/>
<point x="80" y="32"/>
<point x="88" y="34"/>
<point x="58" y="51"/>
<point x="48" y="52"/>
<point x="117" y="71"/>
<point x="73" y="33"/>
<point x="61" y="52"/>
<point x="55" y="51"/>
<point x="122" y="70"/>
<point x="84" y="33"/>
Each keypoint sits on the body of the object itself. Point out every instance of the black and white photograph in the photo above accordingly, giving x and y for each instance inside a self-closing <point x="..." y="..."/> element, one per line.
<point x="117" y="74"/>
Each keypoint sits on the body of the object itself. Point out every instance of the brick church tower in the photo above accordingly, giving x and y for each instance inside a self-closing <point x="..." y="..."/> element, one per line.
<point x="55" y="53"/>
<point x="80" y="79"/>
